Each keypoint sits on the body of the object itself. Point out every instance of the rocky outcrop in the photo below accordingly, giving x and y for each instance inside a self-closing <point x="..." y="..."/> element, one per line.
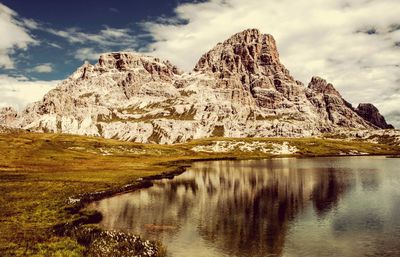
<point x="245" y="55"/>
<point x="238" y="89"/>
<point x="319" y="85"/>
<point x="331" y="106"/>
<point x="7" y="115"/>
<point x="371" y="114"/>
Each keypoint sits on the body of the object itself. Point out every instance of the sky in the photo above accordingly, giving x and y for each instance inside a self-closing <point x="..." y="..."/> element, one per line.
<point x="354" y="44"/>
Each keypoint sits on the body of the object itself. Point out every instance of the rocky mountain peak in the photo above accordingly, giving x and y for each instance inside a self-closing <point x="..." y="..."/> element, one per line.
<point x="320" y="85"/>
<point x="125" y="61"/>
<point x="370" y="113"/>
<point x="240" y="89"/>
<point x="247" y="52"/>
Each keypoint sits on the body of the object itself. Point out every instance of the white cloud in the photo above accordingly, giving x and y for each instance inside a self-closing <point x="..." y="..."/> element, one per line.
<point x="43" y="68"/>
<point x="87" y="53"/>
<point x="55" y="45"/>
<point x="105" y="37"/>
<point x="14" y="34"/>
<point x="19" y="91"/>
<point x="314" y="37"/>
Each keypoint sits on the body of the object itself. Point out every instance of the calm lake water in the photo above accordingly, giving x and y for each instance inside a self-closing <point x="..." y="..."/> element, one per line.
<point x="347" y="206"/>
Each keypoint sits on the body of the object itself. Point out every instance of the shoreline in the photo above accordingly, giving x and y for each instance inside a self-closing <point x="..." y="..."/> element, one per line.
<point x="146" y="182"/>
<point x="95" y="217"/>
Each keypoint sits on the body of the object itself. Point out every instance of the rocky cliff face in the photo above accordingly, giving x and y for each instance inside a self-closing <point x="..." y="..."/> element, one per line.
<point x="370" y="113"/>
<point x="7" y="115"/>
<point x="237" y="89"/>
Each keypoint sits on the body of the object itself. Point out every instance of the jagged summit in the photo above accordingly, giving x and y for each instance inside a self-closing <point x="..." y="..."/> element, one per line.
<point x="320" y="85"/>
<point x="127" y="61"/>
<point x="370" y="113"/>
<point x="239" y="89"/>
<point x="123" y="61"/>
<point x="245" y="53"/>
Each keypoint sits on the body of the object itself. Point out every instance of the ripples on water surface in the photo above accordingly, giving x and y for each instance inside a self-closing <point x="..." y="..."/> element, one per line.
<point x="282" y="207"/>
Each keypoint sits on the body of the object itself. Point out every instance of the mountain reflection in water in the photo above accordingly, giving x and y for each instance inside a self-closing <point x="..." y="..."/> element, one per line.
<point x="281" y="207"/>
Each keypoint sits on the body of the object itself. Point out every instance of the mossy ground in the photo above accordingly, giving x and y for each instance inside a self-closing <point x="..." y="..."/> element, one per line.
<point x="39" y="172"/>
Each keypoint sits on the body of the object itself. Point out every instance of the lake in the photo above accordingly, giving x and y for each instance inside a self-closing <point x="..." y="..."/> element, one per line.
<point x="341" y="206"/>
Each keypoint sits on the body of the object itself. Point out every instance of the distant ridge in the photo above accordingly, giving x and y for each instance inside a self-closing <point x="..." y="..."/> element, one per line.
<point x="237" y="89"/>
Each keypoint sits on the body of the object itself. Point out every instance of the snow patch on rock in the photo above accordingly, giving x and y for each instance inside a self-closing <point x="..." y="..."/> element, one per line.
<point x="282" y="149"/>
<point x="256" y="146"/>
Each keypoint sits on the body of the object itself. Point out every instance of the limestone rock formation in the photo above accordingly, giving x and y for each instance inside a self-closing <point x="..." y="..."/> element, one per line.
<point x="370" y="113"/>
<point x="238" y="89"/>
<point x="7" y="115"/>
<point x="330" y="104"/>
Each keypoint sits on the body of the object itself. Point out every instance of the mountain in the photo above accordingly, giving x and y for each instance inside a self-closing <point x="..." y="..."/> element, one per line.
<point x="370" y="113"/>
<point x="238" y="89"/>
